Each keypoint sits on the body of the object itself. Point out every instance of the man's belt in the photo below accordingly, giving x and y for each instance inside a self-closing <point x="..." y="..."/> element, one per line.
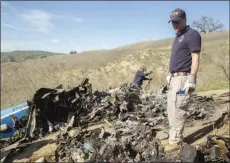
<point x="179" y="74"/>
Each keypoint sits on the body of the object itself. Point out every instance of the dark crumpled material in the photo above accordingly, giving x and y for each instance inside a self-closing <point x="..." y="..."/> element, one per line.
<point x="133" y="114"/>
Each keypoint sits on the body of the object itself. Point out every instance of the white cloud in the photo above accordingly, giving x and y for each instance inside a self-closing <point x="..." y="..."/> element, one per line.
<point x="42" y="20"/>
<point x="55" y="40"/>
<point x="16" y="27"/>
<point x="9" y="25"/>
<point x="39" y="19"/>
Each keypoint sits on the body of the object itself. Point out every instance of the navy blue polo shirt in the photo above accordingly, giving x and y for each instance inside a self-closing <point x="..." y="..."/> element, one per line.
<point x="186" y="42"/>
<point x="140" y="76"/>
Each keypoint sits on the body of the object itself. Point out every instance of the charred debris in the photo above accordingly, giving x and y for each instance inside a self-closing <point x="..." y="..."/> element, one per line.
<point x="132" y="114"/>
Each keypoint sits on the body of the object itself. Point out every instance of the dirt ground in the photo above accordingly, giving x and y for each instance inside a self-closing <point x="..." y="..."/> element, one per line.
<point x="194" y="135"/>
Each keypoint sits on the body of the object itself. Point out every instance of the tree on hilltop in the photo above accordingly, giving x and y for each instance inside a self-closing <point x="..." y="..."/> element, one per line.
<point x="73" y="52"/>
<point x="207" y="24"/>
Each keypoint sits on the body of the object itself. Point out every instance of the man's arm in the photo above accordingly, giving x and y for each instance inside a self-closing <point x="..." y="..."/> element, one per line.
<point x="143" y="75"/>
<point x="146" y="74"/>
<point x="147" y="78"/>
<point x="195" y="63"/>
<point x="195" y="47"/>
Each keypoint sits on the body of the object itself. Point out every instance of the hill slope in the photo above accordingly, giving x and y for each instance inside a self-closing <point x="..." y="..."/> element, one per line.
<point x="110" y="67"/>
<point x="19" y="56"/>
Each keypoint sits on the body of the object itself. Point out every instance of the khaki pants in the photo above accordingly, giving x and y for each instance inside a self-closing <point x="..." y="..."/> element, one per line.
<point x="176" y="109"/>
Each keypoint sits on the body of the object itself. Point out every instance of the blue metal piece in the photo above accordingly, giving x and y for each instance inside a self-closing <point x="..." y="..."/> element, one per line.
<point x="19" y="112"/>
<point x="181" y="92"/>
<point x="12" y="109"/>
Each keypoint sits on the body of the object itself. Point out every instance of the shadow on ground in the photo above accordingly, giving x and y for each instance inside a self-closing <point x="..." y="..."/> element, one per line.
<point x="25" y="152"/>
<point x="206" y="130"/>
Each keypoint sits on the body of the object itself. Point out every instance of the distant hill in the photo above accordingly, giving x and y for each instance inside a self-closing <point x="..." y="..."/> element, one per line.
<point x="19" y="56"/>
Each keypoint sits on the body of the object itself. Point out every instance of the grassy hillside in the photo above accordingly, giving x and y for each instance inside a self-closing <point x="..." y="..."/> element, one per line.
<point x="110" y="67"/>
<point x="19" y="56"/>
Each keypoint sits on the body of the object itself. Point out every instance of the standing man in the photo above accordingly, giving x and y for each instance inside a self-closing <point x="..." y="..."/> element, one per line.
<point x="140" y="76"/>
<point x="183" y="67"/>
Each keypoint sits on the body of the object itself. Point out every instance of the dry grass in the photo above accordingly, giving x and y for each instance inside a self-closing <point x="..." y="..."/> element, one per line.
<point x="109" y="67"/>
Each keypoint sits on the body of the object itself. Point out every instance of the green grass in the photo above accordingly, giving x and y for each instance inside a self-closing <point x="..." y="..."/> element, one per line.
<point x="219" y="85"/>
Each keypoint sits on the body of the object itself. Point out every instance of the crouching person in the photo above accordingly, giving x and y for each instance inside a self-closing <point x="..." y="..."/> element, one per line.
<point x="140" y="76"/>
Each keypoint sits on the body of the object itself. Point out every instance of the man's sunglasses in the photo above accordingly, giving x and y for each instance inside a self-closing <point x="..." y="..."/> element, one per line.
<point x="176" y="22"/>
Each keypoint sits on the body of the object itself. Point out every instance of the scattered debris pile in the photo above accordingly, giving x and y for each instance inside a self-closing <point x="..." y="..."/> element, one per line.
<point x="134" y="136"/>
<point x="102" y="146"/>
<point x="201" y="107"/>
<point x="51" y="107"/>
<point x="133" y="115"/>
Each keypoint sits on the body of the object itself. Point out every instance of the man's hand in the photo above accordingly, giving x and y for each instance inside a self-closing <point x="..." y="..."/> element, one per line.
<point x="150" y="78"/>
<point x="150" y="72"/>
<point x="190" y="84"/>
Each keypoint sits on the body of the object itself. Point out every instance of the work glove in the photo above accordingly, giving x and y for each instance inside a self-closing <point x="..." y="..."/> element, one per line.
<point x="168" y="78"/>
<point x="190" y="84"/>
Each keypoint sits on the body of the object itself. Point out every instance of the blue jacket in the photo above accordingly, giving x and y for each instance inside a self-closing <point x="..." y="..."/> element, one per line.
<point x="139" y="77"/>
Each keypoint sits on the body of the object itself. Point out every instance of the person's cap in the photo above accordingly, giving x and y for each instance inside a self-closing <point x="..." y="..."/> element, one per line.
<point x="177" y="15"/>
